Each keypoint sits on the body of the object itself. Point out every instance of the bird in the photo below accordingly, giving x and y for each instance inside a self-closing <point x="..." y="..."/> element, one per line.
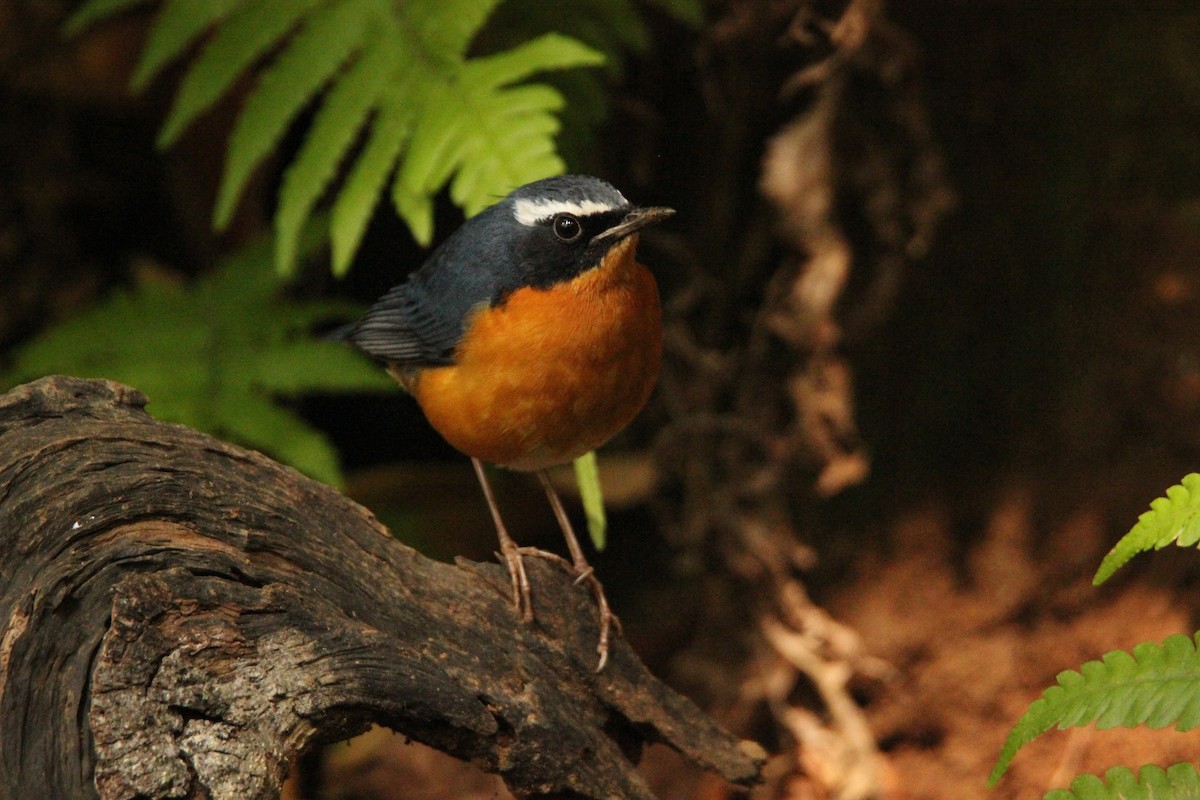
<point x="529" y="337"/>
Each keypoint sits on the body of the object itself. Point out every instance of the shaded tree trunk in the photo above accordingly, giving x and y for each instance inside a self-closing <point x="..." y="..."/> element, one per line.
<point x="180" y="618"/>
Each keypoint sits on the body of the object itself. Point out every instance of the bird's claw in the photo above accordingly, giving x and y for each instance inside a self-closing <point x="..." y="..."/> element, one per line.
<point x="608" y="620"/>
<point x="522" y="595"/>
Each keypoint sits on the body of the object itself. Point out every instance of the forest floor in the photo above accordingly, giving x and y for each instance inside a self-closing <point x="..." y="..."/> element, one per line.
<point x="974" y="640"/>
<point x="971" y="635"/>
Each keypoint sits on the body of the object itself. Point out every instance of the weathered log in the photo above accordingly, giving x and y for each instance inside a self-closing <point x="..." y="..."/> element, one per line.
<point x="180" y="617"/>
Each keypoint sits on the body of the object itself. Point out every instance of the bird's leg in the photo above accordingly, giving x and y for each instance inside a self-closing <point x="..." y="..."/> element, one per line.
<point x="509" y="551"/>
<point x="582" y="569"/>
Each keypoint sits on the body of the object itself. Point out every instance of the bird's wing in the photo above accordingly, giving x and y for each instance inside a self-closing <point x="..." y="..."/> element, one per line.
<point x="420" y="322"/>
<point x="405" y="328"/>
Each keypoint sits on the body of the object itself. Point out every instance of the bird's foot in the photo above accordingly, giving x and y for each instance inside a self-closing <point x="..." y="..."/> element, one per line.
<point x="511" y="556"/>
<point x="608" y="620"/>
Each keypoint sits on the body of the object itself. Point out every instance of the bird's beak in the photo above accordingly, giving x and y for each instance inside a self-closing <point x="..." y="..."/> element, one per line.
<point x="634" y="221"/>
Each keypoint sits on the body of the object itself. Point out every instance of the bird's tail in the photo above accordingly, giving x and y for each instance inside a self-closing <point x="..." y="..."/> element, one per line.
<point x="341" y="333"/>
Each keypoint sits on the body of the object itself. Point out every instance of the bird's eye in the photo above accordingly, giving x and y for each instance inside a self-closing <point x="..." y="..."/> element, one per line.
<point x="567" y="228"/>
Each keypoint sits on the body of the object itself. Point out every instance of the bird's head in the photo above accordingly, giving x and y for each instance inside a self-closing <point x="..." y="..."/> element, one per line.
<point x="561" y="227"/>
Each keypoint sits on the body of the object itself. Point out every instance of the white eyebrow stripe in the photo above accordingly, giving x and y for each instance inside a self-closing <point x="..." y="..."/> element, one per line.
<point x="531" y="212"/>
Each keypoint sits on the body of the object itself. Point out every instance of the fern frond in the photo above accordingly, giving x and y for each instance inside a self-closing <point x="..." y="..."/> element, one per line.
<point x="1155" y="685"/>
<point x="1176" y="782"/>
<point x="550" y="51"/>
<point x="218" y="354"/>
<point x="178" y="24"/>
<point x="433" y="115"/>
<point x="622" y="24"/>
<point x="436" y="144"/>
<point x="615" y="28"/>
<point x="339" y="121"/>
<point x="1174" y="518"/>
<point x="310" y="59"/>
<point x="244" y="37"/>
<point x="689" y="12"/>
<point x="264" y="425"/>
<point x="443" y="29"/>
<point x="357" y="199"/>
<point x="95" y="10"/>
<point x="500" y="163"/>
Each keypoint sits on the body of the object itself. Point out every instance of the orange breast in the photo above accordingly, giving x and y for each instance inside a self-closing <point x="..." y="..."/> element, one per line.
<point x="553" y="373"/>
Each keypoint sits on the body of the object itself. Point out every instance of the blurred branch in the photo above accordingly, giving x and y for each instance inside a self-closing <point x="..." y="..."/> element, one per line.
<point x="856" y="182"/>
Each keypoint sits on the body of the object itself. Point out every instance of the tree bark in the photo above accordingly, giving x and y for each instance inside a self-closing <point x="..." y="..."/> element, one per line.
<point x="180" y="618"/>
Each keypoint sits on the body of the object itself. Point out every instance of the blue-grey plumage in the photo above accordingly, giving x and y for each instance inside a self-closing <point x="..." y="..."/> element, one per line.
<point x="508" y="246"/>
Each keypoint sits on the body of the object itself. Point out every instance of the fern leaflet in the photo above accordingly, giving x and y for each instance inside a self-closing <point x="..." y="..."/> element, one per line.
<point x="587" y="477"/>
<point x="306" y="64"/>
<point x="400" y="69"/>
<point x="686" y="10"/>
<point x="446" y="27"/>
<point x="1155" y="685"/>
<point x="96" y="10"/>
<point x="1176" y="782"/>
<point x="1171" y="519"/>
<point x="217" y="355"/>
<point x="241" y="40"/>
<point x="616" y="28"/>
<point x="175" y="27"/>
<point x="352" y="209"/>
<point x="341" y="118"/>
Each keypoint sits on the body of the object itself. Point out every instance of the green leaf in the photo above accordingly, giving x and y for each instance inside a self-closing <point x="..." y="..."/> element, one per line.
<point x="264" y="425"/>
<point x="416" y="209"/>
<point x="245" y="36"/>
<point x="298" y="366"/>
<point x="1174" y="518"/>
<point x="438" y="141"/>
<point x="359" y="195"/>
<point x="342" y="115"/>
<point x="177" y="25"/>
<point x="1177" y="782"/>
<point x="615" y="28"/>
<point x="310" y="59"/>
<point x="690" y="12"/>
<point x="587" y="475"/>
<point x="444" y="28"/>
<point x="1155" y="685"/>
<point x="402" y="101"/>
<point x="223" y="354"/>
<point x="94" y="10"/>
<point x="548" y="52"/>
<point x="498" y="164"/>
